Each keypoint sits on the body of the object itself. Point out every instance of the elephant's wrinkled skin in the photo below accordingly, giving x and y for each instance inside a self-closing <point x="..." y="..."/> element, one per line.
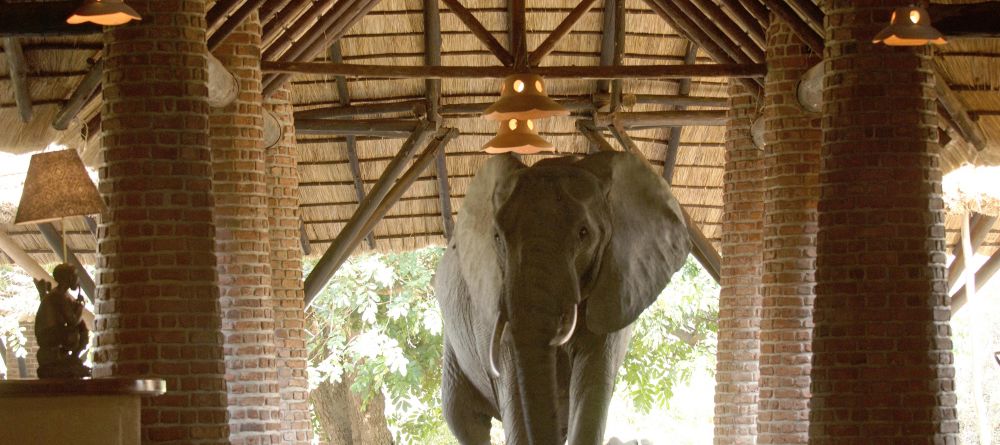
<point x="535" y="250"/>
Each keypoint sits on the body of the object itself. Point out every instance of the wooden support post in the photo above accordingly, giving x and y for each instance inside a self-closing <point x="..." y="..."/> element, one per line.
<point x="328" y="264"/>
<point x="740" y="71"/>
<point x="480" y="32"/>
<point x="55" y="241"/>
<point x="969" y="128"/>
<point x="444" y="194"/>
<point x="559" y="32"/>
<point x="432" y="57"/>
<point x="80" y="97"/>
<point x="673" y="144"/>
<point x="802" y="29"/>
<point x="653" y="119"/>
<point x="593" y="135"/>
<point x="983" y="276"/>
<point x="981" y="226"/>
<point x="366" y="127"/>
<point x="364" y="220"/>
<point x="607" y="44"/>
<point x="618" y="55"/>
<point x="18" y="68"/>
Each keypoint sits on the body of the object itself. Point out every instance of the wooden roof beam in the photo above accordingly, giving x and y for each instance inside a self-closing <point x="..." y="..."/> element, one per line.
<point x="289" y="23"/>
<point x="968" y="128"/>
<point x="980" y="228"/>
<point x="432" y="92"/>
<point x="319" y="38"/>
<point x="216" y="15"/>
<point x="618" y="132"/>
<point x="518" y="33"/>
<point x="758" y="10"/>
<point x="965" y="20"/>
<point x="593" y="135"/>
<point x="654" y="119"/>
<point x="376" y="205"/>
<point x="713" y="31"/>
<point x="561" y="30"/>
<point x="359" y="127"/>
<point x="56" y="242"/>
<point x="746" y="20"/>
<point x="677" y="20"/>
<point x="752" y="70"/>
<point x="415" y="107"/>
<point x="82" y="95"/>
<point x="480" y="32"/>
<point x="732" y="31"/>
<point x="673" y="144"/>
<point x="351" y="142"/>
<point x="799" y="25"/>
<point x="617" y="86"/>
<point x="18" y="68"/>
<point x="809" y="12"/>
<point x="235" y="20"/>
<point x="983" y="276"/>
<point x="607" y="44"/>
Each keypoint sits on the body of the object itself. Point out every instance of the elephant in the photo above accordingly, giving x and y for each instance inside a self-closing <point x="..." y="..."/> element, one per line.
<point x="534" y="250"/>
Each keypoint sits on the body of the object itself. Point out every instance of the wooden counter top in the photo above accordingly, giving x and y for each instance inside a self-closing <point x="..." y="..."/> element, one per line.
<point x="77" y="387"/>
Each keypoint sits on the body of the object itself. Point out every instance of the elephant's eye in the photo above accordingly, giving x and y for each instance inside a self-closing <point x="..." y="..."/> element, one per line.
<point x="496" y="237"/>
<point x="584" y="232"/>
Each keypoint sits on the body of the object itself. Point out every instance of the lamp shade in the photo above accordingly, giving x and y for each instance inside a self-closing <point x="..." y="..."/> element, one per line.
<point x="57" y="186"/>
<point x="522" y="96"/>
<point x="909" y="26"/>
<point x="519" y="137"/>
<point x="103" y="12"/>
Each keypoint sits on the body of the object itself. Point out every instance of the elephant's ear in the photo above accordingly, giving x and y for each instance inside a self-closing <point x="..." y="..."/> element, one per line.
<point x="474" y="227"/>
<point x="648" y="240"/>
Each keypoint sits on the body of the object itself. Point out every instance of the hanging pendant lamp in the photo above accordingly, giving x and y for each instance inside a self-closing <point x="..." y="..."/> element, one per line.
<point x="103" y="12"/>
<point x="517" y="136"/>
<point x="522" y="96"/>
<point x="909" y="26"/>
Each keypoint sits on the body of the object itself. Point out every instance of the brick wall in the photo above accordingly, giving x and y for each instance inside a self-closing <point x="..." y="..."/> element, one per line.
<point x="158" y="300"/>
<point x="739" y="301"/>
<point x="882" y="362"/>
<point x="791" y="190"/>
<point x="286" y="275"/>
<point x="242" y="245"/>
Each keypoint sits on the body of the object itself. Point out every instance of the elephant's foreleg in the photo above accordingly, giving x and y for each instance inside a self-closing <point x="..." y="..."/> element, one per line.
<point x="596" y="359"/>
<point x="463" y="407"/>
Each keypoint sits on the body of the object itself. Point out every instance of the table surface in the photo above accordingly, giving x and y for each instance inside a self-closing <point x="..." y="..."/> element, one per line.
<point x="76" y="387"/>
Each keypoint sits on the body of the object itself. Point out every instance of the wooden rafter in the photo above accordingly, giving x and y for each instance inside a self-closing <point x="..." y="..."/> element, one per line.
<point x="985" y="273"/>
<point x="758" y="10"/>
<point x="752" y="70"/>
<point x="798" y="24"/>
<point x="607" y="43"/>
<point x="415" y="107"/>
<point x="234" y="21"/>
<point x="270" y="9"/>
<point x="617" y="86"/>
<point x="351" y="142"/>
<point x="56" y="243"/>
<point x="593" y="135"/>
<point x="359" y="127"/>
<point x="968" y="128"/>
<point x="981" y="226"/>
<point x="621" y="135"/>
<point x="217" y="14"/>
<point x="304" y="237"/>
<point x="674" y="142"/>
<point x="808" y="10"/>
<point x="81" y="95"/>
<point x="432" y="57"/>
<point x="383" y="196"/>
<point x="518" y="33"/>
<point x="713" y="31"/>
<point x="746" y="20"/>
<point x="731" y="29"/>
<point x="559" y="32"/>
<point x="293" y="21"/>
<point x="480" y="31"/>
<point x="18" y="68"/>
<point x="669" y="118"/>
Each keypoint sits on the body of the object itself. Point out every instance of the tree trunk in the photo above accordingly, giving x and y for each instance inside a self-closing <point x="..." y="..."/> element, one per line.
<point x="344" y="420"/>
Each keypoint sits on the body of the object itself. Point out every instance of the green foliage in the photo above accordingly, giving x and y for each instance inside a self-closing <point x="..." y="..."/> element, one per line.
<point x="18" y="301"/>
<point x="378" y="321"/>
<point x="673" y="339"/>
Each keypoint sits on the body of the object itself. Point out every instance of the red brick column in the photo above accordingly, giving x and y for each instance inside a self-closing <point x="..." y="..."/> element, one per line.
<point x="158" y="299"/>
<point x="739" y="301"/>
<point x="882" y="362"/>
<point x="242" y="247"/>
<point x="286" y="275"/>
<point x="791" y="191"/>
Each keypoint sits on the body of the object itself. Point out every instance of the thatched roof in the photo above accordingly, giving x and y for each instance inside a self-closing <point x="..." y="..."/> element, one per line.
<point x="393" y="34"/>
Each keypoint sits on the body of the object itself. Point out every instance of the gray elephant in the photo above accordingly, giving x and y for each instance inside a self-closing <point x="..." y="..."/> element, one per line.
<point x="535" y="249"/>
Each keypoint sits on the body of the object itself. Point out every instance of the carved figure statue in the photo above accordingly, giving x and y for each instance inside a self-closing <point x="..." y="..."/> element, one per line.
<point x="547" y="271"/>
<point x="59" y="327"/>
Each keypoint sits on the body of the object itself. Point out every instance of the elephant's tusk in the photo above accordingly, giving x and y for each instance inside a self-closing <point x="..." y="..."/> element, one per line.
<point x="566" y="329"/>
<point x="498" y="328"/>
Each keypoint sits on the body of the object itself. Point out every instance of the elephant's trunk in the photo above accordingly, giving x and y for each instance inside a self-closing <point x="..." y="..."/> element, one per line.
<point x="536" y="377"/>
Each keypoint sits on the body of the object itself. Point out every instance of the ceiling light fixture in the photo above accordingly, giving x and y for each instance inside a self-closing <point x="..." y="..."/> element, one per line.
<point x="517" y="136"/>
<point x="522" y="96"/>
<point x="909" y="26"/>
<point x="103" y="12"/>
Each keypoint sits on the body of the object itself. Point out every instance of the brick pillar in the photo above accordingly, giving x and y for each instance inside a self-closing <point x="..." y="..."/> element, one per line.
<point x="286" y="275"/>
<point x="158" y="299"/>
<point x="739" y="301"/>
<point x="242" y="247"/>
<point x="791" y="190"/>
<point x="882" y="362"/>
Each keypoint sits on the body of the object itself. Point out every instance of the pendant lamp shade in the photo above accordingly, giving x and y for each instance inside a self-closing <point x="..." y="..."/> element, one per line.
<point x="57" y="186"/>
<point x="519" y="137"/>
<point x="522" y="96"/>
<point x="103" y="12"/>
<point x="909" y="26"/>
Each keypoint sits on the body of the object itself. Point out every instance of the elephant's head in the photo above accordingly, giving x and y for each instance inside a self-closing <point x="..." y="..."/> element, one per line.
<point x="600" y="237"/>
